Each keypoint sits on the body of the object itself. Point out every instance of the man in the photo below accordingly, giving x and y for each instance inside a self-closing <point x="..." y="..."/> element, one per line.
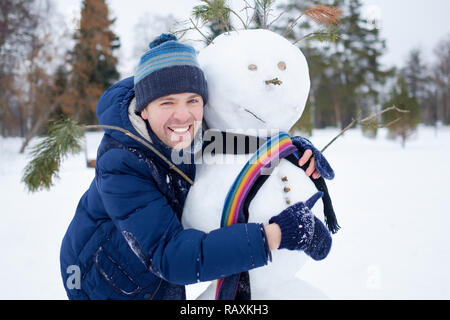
<point x="126" y="240"/>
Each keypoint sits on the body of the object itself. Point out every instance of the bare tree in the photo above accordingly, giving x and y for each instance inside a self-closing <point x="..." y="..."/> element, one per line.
<point x="17" y="23"/>
<point x="38" y="95"/>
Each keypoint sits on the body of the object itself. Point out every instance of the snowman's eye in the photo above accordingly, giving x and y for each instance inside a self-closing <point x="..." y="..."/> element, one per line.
<point x="252" y="67"/>
<point x="282" y="65"/>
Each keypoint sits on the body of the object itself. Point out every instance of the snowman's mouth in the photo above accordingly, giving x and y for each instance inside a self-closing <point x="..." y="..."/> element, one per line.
<point x="254" y="115"/>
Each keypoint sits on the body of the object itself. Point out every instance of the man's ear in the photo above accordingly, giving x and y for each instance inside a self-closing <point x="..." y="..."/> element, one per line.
<point x="144" y="114"/>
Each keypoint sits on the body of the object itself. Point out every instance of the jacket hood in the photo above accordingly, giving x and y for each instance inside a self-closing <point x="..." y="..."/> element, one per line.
<point x="117" y="107"/>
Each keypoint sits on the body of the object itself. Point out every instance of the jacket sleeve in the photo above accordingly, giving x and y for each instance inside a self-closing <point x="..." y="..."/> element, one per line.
<point x="154" y="233"/>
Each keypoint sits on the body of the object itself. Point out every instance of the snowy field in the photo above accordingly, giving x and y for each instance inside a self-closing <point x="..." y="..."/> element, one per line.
<point x="391" y="203"/>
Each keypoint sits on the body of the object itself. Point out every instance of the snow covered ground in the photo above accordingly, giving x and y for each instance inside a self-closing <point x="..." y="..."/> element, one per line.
<point x="390" y="202"/>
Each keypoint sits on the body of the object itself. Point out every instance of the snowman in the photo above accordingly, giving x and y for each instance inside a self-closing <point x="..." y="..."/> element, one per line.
<point x="258" y="85"/>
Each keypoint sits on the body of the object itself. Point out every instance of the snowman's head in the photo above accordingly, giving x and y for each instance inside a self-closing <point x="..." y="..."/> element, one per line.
<point x="257" y="80"/>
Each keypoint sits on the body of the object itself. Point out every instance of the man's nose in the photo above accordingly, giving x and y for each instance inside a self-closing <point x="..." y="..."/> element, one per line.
<point x="182" y="114"/>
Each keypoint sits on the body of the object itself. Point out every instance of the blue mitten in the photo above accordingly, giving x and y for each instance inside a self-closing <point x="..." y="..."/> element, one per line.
<point x="322" y="165"/>
<point x="301" y="230"/>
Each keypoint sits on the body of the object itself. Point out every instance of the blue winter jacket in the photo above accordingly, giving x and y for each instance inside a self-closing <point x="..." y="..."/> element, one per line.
<point x="126" y="240"/>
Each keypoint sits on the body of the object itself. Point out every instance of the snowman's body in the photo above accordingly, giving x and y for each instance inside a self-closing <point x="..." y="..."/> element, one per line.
<point x="203" y="209"/>
<point x="237" y="66"/>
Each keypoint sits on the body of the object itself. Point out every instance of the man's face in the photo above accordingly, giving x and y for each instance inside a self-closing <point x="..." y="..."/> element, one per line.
<point x="175" y="118"/>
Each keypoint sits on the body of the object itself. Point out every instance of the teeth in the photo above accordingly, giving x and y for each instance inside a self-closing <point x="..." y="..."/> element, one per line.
<point x="180" y="130"/>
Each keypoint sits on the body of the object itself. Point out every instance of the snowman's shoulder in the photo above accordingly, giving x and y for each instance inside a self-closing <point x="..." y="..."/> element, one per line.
<point x="287" y="165"/>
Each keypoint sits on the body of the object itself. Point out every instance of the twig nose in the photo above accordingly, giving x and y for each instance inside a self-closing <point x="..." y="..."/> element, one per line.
<point x="274" y="81"/>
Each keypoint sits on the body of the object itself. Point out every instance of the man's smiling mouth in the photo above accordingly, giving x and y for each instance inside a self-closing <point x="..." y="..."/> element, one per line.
<point x="254" y="115"/>
<point x="180" y="130"/>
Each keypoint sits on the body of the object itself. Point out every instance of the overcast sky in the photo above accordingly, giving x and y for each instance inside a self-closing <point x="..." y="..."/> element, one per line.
<point x="405" y="24"/>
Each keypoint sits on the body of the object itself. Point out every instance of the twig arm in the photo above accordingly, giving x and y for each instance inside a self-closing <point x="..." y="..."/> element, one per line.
<point x="340" y="134"/>
<point x="367" y="119"/>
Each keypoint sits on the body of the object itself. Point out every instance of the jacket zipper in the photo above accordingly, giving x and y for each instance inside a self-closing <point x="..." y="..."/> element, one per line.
<point x="156" y="290"/>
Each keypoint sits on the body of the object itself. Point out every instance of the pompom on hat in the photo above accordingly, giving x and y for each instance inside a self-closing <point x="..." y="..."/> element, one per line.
<point x="169" y="67"/>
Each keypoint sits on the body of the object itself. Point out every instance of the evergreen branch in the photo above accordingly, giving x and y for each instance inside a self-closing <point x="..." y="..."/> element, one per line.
<point x="63" y="139"/>
<point x="213" y="10"/>
<point x="216" y="10"/>
<point x="365" y="120"/>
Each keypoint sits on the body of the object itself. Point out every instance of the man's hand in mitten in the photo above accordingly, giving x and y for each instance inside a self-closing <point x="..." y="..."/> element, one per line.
<point x="301" y="230"/>
<point x="318" y="165"/>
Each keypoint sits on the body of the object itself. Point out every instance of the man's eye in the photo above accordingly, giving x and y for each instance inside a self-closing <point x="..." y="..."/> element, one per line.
<point x="166" y="103"/>
<point x="193" y="101"/>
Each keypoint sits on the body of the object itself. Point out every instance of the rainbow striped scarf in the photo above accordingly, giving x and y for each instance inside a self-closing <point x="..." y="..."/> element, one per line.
<point x="268" y="155"/>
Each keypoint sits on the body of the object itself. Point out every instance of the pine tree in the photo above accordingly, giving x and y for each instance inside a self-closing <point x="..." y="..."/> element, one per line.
<point x="403" y="99"/>
<point x="92" y="60"/>
<point x="357" y="74"/>
<point x="414" y="73"/>
<point x="311" y="114"/>
<point x="318" y="111"/>
<point x="418" y="80"/>
<point x="305" y="33"/>
<point x="305" y="124"/>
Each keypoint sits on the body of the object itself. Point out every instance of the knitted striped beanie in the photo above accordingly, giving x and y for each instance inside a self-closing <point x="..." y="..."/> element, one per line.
<point x="169" y="67"/>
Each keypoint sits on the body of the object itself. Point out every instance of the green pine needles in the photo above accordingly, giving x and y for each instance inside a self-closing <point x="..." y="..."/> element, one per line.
<point x="212" y="10"/>
<point x="63" y="138"/>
